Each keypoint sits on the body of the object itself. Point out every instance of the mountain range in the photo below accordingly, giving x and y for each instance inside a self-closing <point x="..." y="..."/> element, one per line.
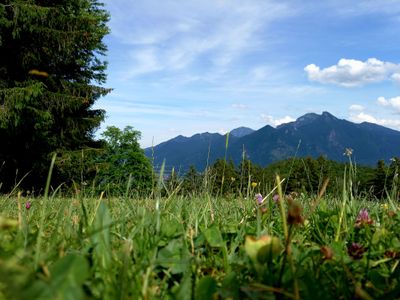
<point x="310" y="135"/>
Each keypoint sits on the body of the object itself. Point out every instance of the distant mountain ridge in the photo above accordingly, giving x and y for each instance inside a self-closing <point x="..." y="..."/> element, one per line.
<point x="241" y="132"/>
<point x="310" y="135"/>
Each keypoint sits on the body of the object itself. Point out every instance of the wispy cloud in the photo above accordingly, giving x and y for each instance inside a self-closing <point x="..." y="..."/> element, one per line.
<point x="353" y="73"/>
<point x="364" y="117"/>
<point x="393" y="103"/>
<point x="270" y="120"/>
<point x="160" y="110"/>
<point x="169" y="36"/>
<point x="240" y="106"/>
<point x="358" y="114"/>
<point x="356" y="107"/>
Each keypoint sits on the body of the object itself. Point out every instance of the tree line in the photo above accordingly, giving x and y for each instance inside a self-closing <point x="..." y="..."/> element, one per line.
<point x="302" y="175"/>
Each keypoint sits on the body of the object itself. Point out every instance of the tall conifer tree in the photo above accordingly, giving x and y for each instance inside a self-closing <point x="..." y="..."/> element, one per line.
<point x="51" y="71"/>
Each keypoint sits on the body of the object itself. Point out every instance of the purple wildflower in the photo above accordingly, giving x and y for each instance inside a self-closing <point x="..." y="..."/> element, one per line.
<point x="259" y="199"/>
<point x="356" y="250"/>
<point x="260" y="202"/>
<point x="363" y="218"/>
<point x="276" y="198"/>
<point x="28" y="205"/>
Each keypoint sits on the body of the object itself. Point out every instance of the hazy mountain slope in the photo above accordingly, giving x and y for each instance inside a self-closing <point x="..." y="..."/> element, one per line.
<point x="310" y="135"/>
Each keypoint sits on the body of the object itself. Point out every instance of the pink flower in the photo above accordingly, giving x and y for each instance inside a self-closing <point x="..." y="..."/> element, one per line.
<point x="363" y="218"/>
<point x="276" y="198"/>
<point x="28" y="205"/>
<point x="259" y="199"/>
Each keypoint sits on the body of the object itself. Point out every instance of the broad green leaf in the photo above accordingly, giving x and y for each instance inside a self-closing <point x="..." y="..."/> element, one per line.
<point x="185" y="289"/>
<point x="171" y="228"/>
<point x="214" y="237"/>
<point x="206" y="288"/>
<point x="172" y="256"/>
<point x="66" y="278"/>
<point x="230" y="287"/>
<point x="101" y="236"/>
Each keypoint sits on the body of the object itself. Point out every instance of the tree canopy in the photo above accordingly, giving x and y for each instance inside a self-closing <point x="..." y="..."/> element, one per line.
<point x="123" y="165"/>
<point x="51" y="72"/>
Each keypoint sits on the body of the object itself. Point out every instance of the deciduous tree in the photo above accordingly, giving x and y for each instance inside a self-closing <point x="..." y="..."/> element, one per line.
<point x="123" y="162"/>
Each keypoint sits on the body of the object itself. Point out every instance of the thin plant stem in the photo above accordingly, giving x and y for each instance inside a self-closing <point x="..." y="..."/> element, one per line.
<point x="343" y="206"/>
<point x="282" y="208"/>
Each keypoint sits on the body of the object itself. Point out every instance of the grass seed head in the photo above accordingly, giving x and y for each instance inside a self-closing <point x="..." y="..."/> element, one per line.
<point x="294" y="212"/>
<point x="327" y="253"/>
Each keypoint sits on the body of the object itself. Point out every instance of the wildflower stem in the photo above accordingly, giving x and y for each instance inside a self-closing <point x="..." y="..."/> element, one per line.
<point x="288" y="256"/>
<point x="344" y="200"/>
<point x="42" y="212"/>
<point x="293" y="269"/>
<point x="223" y="169"/>
<point x="368" y="255"/>
<point x="19" y="210"/>
<point x="285" y="257"/>
<point x="258" y="221"/>
<point x="287" y="233"/>
<point x="282" y="208"/>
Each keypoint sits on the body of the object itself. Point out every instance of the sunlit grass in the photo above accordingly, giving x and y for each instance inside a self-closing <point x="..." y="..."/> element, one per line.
<point x="111" y="248"/>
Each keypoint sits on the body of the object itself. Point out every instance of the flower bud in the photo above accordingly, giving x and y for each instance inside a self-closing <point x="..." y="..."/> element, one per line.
<point x="262" y="249"/>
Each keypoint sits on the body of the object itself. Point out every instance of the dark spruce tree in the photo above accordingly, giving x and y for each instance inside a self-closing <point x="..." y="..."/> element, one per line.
<point x="379" y="182"/>
<point x="192" y="182"/>
<point x="51" y="71"/>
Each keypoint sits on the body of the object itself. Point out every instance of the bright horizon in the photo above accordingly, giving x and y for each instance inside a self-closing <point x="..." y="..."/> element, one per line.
<point x="186" y="67"/>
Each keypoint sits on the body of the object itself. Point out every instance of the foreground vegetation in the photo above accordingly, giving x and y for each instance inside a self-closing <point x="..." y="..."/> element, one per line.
<point x="198" y="236"/>
<point x="273" y="247"/>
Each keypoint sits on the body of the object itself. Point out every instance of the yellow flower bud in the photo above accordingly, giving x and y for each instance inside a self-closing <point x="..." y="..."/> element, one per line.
<point x="262" y="249"/>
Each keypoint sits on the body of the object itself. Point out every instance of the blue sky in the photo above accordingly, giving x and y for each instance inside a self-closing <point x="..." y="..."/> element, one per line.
<point x="190" y="66"/>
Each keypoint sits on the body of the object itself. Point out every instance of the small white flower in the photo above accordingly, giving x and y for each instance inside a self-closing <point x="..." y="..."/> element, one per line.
<point x="348" y="152"/>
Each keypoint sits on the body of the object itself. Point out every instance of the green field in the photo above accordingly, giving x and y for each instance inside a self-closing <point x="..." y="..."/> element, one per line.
<point x="199" y="248"/>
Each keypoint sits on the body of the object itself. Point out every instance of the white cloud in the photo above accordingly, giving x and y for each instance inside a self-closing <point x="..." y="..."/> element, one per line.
<point x="393" y="103"/>
<point x="146" y="61"/>
<point x="396" y="77"/>
<point x="240" y="106"/>
<point x="356" y="107"/>
<point x="270" y="120"/>
<point x="180" y="34"/>
<point x="352" y="72"/>
<point x="259" y="73"/>
<point x="223" y="131"/>
<point x="364" y="117"/>
<point x="137" y="109"/>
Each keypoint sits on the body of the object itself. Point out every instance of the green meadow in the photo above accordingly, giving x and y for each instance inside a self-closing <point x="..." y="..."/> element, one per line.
<point x="278" y="246"/>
